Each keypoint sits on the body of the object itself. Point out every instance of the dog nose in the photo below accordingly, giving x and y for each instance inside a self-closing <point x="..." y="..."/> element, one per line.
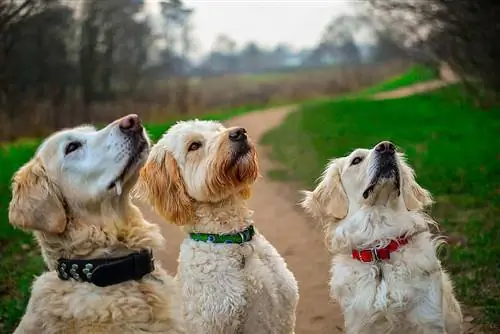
<point x="130" y="124"/>
<point x="385" y="147"/>
<point x="238" y="134"/>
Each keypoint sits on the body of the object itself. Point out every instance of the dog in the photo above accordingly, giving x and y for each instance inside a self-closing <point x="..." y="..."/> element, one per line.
<point x="385" y="273"/>
<point x="74" y="196"/>
<point x="199" y="176"/>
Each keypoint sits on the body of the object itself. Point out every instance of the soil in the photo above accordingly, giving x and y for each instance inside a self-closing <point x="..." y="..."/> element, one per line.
<point x="283" y="223"/>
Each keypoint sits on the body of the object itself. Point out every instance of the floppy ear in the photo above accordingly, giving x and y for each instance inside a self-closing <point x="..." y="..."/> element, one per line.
<point x="414" y="196"/>
<point x="36" y="202"/>
<point x="161" y="184"/>
<point x="329" y="198"/>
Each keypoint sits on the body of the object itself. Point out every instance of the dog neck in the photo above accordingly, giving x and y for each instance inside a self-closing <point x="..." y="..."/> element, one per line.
<point x="108" y="234"/>
<point x="375" y="226"/>
<point x="228" y="216"/>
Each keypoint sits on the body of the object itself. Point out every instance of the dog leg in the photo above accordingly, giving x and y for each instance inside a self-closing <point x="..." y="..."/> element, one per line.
<point x="451" y="308"/>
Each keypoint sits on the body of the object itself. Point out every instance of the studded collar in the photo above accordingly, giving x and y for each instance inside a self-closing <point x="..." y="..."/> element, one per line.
<point x="107" y="271"/>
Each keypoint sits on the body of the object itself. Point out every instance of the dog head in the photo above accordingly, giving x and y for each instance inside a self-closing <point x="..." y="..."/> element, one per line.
<point x="75" y="171"/>
<point x="366" y="177"/>
<point x="197" y="161"/>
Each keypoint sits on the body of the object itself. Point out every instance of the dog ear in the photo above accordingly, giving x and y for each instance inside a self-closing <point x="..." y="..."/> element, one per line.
<point x="329" y="198"/>
<point x="161" y="184"/>
<point x="414" y="196"/>
<point x="36" y="202"/>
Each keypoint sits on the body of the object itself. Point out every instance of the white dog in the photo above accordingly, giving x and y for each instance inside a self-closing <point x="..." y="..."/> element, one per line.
<point x="74" y="195"/>
<point x="232" y="280"/>
<point x="385" y="272"/>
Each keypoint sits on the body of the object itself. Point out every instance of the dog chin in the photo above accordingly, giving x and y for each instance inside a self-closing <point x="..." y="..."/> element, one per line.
<point x="130" y="171"/>
<point x="383" y="184"/>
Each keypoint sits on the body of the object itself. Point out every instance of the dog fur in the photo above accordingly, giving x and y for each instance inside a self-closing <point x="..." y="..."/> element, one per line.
<point x="77" y="210"/>
<point x="411" y="292"/>
<point x="197" y="178"/>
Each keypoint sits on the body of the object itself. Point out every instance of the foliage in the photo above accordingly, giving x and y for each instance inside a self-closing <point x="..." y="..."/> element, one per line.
<point x="461" y="32"/>
<point x="453" y="147"/>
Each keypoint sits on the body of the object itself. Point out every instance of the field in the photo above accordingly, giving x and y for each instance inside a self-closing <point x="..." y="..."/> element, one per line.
<point x="163" y="100"/>
<point x="20" y="260"/>
<point x="453" y="147"/>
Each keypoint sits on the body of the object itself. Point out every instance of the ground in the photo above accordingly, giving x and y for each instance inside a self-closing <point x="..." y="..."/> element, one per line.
<point x="277" y="216"/>
<point x="284" y="225"/>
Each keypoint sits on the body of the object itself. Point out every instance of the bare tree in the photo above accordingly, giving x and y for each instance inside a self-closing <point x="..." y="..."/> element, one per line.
<point x="462" y="33"/>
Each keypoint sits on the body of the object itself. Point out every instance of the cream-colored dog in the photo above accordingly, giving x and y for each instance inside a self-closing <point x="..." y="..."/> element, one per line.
<point x="231" y="278"/>
<point x="74" y="195"/>
<point x="385" y="272"/>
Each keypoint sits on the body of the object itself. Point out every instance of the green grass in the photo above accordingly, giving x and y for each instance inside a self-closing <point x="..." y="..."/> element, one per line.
<point x="454" y="149"/>
<point x="416" y="74"/>
<point x="20" y="259"/>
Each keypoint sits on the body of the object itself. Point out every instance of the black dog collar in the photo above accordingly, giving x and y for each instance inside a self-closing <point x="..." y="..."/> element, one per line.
<point x="107" y="271"/>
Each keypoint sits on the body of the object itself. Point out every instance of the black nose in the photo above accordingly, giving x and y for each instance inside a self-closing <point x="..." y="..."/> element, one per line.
<point x="385" y="147"/>
<point x="130" y="124"/>
<point x="238" y="134"/>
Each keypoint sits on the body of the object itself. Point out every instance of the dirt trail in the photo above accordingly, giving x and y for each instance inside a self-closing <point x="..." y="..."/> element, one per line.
<point x="447" y="76"/>
<point x="284" y="225"/>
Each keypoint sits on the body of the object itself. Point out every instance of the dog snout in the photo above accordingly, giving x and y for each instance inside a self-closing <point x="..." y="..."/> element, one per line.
<point x="239" y="134"/>
<point x="130" y="124"/>
<point x="385" y="147"/>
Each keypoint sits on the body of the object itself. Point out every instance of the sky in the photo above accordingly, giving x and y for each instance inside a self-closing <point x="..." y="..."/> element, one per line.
<point x="298" y="23"/>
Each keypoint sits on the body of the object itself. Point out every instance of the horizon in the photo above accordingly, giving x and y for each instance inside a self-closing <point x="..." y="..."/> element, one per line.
<point x="301" y="22"/>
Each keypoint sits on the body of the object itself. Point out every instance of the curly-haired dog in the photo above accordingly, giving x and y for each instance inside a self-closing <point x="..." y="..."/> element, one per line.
<point x="385" y="271"/>
<point x="232" y="280"/>
<point x="74" y="195"/>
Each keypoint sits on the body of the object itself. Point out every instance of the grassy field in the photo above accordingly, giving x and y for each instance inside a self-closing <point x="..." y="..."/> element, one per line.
<point x="416" y="74"/>
<point x="20" y="259"/>
<point x="162" y="99"/>
<point x="453" y="147"/>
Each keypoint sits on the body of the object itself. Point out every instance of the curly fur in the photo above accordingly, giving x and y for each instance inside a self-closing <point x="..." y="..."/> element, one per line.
<point x="65" y="201"/>
<point x="411" y="292"/>
<point x="226" y="288"/>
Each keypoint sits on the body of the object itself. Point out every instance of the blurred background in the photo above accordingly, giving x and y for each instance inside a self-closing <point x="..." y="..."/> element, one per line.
<point x="64" y="62"/>
<point x="326" y="76"/>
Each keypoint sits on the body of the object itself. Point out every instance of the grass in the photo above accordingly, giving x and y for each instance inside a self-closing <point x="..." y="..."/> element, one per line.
<point x="453" y="147"/>
<point x="416" y="74"/>
<point x="20" y="260"/>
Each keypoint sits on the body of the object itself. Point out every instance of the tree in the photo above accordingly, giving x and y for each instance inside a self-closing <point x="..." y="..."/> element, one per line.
<point x="251" y="57"/>
<point x="223" y="57"/>
<point x="462" y="33"/>
<point x="337" y="43"/>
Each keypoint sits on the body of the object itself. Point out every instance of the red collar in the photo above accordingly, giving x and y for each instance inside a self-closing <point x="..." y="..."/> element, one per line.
<point x="377" y="254"/>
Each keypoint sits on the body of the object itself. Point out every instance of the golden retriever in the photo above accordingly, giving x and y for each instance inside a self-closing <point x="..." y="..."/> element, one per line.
<point x="231" y="278"/>
<point x="385" y="272"/>
<point x="74" y="196"/>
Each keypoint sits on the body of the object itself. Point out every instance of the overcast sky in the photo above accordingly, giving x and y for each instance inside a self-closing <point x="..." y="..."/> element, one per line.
<point x="296" y="22"/>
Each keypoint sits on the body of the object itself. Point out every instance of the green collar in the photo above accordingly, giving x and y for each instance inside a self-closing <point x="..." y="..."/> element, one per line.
<point x="235" y="238"/>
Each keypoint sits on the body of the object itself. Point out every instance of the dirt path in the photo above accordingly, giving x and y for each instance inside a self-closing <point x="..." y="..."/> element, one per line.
<point x="284" y="225"/>
<point x="446" y="77"/>
<point x="410" y="90"/>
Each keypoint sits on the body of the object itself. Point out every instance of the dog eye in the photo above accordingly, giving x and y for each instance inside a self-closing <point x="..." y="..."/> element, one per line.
<point x="356" y="161"/>
<point x="71" y="147"/>
<point x="194" y="146"/>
